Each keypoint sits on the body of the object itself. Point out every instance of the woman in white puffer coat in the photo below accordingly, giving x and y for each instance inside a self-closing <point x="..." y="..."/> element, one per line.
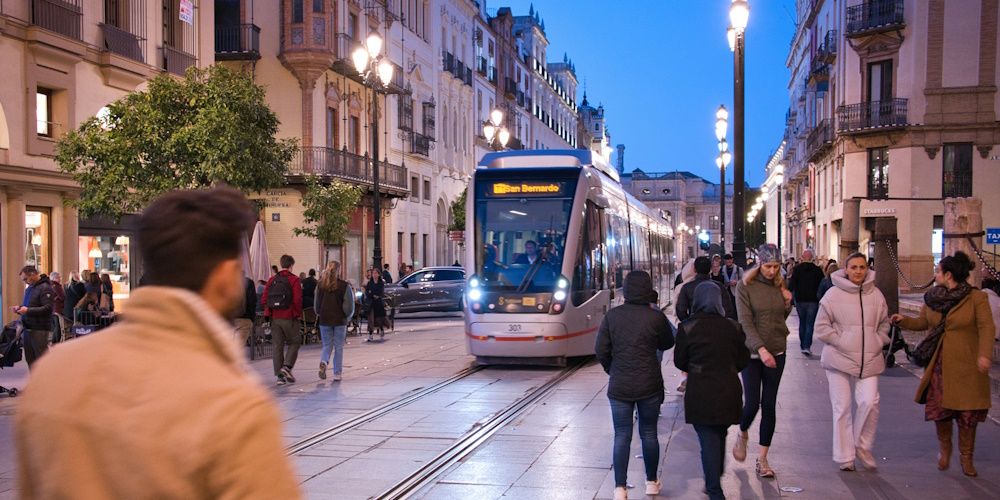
<point x="853" y="322"/>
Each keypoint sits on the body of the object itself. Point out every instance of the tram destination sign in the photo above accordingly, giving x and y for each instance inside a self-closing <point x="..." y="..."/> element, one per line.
<point x="993" y="236"/>
<point x="525" y="189"/>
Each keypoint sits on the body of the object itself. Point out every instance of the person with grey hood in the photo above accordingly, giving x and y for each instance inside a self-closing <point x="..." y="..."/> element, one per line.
<point x="853" y="322"/>
<point x="712" y="349"/>
<point x="626" y="346"/>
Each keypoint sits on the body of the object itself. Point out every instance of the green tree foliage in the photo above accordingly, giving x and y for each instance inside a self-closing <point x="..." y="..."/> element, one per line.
<point x="458" y="210"/>
<point x="328" y="210"/>
<point x="211" y="127"/>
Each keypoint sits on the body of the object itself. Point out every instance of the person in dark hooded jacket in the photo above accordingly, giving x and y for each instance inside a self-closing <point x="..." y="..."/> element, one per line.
<point x="626" y="346"/>
<point x="712" y="349"/>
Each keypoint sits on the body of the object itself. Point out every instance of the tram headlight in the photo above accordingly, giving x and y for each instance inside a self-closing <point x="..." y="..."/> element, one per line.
<point x="559" y="295"/>
<point x="475" y="294"/>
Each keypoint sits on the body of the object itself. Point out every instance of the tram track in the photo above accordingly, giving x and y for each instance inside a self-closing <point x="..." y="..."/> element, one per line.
<point x="425" y="475"/>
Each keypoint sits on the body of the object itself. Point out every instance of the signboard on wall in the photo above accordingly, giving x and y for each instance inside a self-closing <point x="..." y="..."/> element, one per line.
<point x="187" y="11"/>
<point x="993" y="236"/>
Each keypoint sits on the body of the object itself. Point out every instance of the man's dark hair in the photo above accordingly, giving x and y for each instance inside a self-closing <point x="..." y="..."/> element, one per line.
<point x="312" y="273"/>
<point x="702" y="265"/>
<point x="28" y="270"/>
<point x="386" y="267"/>
<point x="728" y="256"/>
<point x="184" y="234"/>
<point x="286" y="261"/>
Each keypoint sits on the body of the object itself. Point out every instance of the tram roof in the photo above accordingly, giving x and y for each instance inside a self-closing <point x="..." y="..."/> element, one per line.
<point x="549" y="158"/>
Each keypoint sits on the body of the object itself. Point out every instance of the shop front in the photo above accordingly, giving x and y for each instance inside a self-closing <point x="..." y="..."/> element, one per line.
<point x="108" y="248"/>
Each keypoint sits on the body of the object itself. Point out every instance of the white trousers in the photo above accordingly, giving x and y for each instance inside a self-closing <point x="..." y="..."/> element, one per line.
<point x="849" y="433"/>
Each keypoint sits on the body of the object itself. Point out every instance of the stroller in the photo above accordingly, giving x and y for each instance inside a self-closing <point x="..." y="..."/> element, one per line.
<point x="896" y="342"/>
<point x="10" y="350"/>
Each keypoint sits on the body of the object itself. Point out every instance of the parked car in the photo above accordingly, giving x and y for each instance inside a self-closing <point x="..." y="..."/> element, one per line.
<point x="429" y="289"/>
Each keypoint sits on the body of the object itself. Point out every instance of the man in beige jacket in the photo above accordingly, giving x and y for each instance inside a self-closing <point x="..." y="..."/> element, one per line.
<point x="159" y="405"/>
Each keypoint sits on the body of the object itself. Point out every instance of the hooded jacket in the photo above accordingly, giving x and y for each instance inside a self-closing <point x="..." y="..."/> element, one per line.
<point x="685" y="299"/>
<point x="762" y="312"/>
<point x="628" y="339"/>
<point x="40" y="302"/>
<point x="853" y="322"/>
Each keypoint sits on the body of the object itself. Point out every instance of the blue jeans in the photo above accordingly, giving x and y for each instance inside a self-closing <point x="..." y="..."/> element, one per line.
<point x="621" y="416"/>
<point x="807" y="318"/>
<point x="333" y="340"/>
<point x="713" y="446"/>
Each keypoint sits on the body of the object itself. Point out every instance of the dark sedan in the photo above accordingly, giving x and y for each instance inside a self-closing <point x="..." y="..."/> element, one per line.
<point x="429" y="289"/>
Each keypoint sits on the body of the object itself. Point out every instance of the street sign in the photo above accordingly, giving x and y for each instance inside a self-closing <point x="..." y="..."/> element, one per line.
<point x="993" y="236"/>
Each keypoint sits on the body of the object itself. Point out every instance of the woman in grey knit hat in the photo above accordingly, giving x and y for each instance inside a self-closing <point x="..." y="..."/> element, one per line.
<point x="762" y="305"/>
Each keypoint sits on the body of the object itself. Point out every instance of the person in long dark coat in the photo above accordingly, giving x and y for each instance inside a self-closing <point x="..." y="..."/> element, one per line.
<point x="712" y="350"/>
<point x="377" y="318"/>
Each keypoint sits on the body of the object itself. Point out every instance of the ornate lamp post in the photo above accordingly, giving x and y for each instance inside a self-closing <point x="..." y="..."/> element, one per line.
<point x="779" y="177"/>
<point x="739" y="12"/>
<point x="376" y="71"/>
<point x="496" y="135"/>
<point x="722" y="161"/>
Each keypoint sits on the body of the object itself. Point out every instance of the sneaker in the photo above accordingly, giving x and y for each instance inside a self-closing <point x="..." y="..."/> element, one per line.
<point x="683" y="386"/>
<point x="847" y="466"/>
<point x="621" y="493"/>
<point x="287" y="373"/>
<point x="866" y="459"/>
<point x="653" y="487"/>
<point x="336" y="377"/>
<point x="281" y="380"/>
<point x="806" y="352"/>
<point x="763" y="468"/>
<point x="740" y="450"/>
<point x="322" y="370"/>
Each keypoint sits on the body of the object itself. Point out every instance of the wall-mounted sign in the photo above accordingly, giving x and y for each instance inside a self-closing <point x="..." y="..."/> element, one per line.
<point x="879" y="211"/>
<point x="187" y="11"/>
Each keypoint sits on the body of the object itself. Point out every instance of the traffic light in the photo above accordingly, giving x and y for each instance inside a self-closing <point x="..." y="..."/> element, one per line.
<point x="705" y="238"/>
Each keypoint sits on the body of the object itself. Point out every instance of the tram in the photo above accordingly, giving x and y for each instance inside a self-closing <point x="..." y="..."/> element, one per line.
<point x="550" y="236"/>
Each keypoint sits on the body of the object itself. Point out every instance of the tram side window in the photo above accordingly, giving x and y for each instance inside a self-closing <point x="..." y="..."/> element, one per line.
<point x="588" y="273"/>
<point x="640" y="248"/>
<point x="617" y="245"/>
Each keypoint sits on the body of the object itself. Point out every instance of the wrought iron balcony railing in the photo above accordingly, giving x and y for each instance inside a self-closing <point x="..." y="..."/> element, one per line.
<point x="177" y="61"/>
<point x="237" y="42"/>
<point x="481" y="65"/>
<point x="420" y="144"/>
<point x="123" y="43"/>
<point x="354" y="168"/>
<point x="957" y="184"/>
<point x="827" y="51"/>
<point x="871" y="115"/>
<point x="820" y="139"/>
<point x="510" y="87"/>
<point x="873" y="17"/>
<point x="60" y="16"/>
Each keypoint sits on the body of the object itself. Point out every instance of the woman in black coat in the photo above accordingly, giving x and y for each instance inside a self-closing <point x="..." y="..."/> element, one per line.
<point x="712" y="350"/>
<point x="377" y="318"/>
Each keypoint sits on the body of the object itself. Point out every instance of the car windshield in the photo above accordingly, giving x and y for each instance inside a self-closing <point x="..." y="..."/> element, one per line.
<point x="521" y="236"/>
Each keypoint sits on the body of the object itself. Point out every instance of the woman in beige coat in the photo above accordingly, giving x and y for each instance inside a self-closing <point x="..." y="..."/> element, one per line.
<point x="956" y="383"/>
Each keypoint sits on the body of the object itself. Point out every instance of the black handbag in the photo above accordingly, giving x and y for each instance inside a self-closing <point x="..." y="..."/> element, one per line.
<point x="922" y="354"/>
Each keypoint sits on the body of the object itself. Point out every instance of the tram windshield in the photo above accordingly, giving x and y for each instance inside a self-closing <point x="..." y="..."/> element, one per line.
<point x="521" y="232"/>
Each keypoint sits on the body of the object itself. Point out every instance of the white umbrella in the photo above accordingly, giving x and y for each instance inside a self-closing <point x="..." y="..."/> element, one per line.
<point x="245" y="259"/>
<point x="260" y="260"/>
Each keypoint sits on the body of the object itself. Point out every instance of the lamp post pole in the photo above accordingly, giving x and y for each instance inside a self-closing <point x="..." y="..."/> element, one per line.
<point x="722" y="161"/>
<point x="739" y="12"/>
<point x="377" y="251"/>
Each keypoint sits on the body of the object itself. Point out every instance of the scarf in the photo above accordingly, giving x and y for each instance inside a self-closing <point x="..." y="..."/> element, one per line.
<point x="729" y="277"/>
<point x="941" y="299"/>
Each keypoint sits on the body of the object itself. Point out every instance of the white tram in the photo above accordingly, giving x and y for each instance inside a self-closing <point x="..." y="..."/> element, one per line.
<point x="550" y="235"/>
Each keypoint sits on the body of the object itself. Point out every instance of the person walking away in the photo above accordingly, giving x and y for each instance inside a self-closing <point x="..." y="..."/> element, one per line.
<point x="108" y="290"/>
<point x="36" y="313"/>
<point x="804" y="285"/>
<point x="58" y="305"/>
<point x="246" y="313"/>
<point x="853" y="322"/>
<point x="159" y="405"/>
<point x="282" y="300"/>
<point x="335" y="307"/>
<point x="377" y="317"/>
<point x="712" y="349"/>
<point x="764" y="304"/>
<point x="731" y="275"/>
<point x="956" y="383"/>
<point x="309" y="289"/>
<point x="826" y="284"/>
<point x="626" y="346"/>
<point x="702" y="268"/>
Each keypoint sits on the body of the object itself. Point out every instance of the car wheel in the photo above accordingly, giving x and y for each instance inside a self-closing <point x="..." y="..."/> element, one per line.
<point x="461" y="304"/>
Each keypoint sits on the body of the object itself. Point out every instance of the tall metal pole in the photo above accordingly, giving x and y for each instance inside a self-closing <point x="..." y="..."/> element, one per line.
<point x="739" y="210"/>
<point x="780" y="195"/>
<point x="722" y="210"/>
<point x="377" y="252"/>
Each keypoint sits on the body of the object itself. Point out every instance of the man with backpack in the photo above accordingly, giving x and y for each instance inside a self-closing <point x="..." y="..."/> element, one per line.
<point x="282" y="301"/>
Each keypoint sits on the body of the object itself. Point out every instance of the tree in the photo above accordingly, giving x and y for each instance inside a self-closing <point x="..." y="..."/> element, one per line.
<point x="458" y="210"/>
<point x="211" y="127"/>
<point x="328" y="210"/>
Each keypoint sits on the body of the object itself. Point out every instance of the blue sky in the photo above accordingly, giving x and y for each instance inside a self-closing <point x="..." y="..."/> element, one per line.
<point x="661" y="68"/>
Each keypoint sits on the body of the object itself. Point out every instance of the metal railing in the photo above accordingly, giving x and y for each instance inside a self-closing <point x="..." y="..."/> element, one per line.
<point x="481" y="65"/>
<point x="528" y="105"/>
<point x="821" y="136"/>
<point x="827" y="51"/>
<point x="957" y="184"/>
<point x="877" y="15"/>
<point x="241" y="41"/>
<point x="177" y="61"/>
<point x="448" y="62"/>
<point x="318" y="160"/>
<point x="869" y="115"/>
<point x="60" y="16"/>
<point x="123" y="43"/>
<point x="420" y="144"/>
<point x="510" y="87"/>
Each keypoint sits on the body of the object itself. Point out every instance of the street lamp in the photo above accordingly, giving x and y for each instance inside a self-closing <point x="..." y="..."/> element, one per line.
<point x="739" y="13"/>
<point x="496" y="135"/>
<point x="779" y="177"/>
<point x="375" y="70"/>
<point x="722" y="161"/>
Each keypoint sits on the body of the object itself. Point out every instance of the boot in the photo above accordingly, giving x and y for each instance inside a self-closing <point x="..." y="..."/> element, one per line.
<point x="944" y="436"/>
<point x="966" y="446"/>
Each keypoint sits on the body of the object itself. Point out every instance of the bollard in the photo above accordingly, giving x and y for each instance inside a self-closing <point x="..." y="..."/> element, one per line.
<point x="886" y="245"/>
<point x="964" y="217"/>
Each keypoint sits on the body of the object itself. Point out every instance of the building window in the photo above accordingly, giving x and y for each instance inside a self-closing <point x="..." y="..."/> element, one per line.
<point x="425" y="241"/>
<point x="318" y="6"/>
<point x="414" y="188"/>
<point x="43" y="111"/>
<point x="957" y="172"/>
<point x="689" y="211"/>
<point x="355" y="136"/>
<point x="352" y="26"/>
<point x="331" y="128"/>
<point x="427" y="190"/>
<point x="713" y="222"/>
<point x="413" y="251"/>
<point x="878" y="173"/>
<point x="296" y="11"/>
<point x="38" y="238"/>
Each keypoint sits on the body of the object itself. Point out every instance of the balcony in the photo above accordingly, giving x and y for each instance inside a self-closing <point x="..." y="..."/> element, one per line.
<point x="237" y="43"/>
<point x="420" y="144"/>
<point x="64" y="17"/>
<point x="827" y="51"/>
<point x="123" y="43"/>
<point x="492" y="75"/>
<point x="520" y="98"/>
<point x="877" y="16"/>
<point x="820" y="140"/>
<point x="874" y="116"/>
<point x="510" y="87"/>
<point x="356" y="169"/>
<point x="481" y="65"/>
<point x="447" y="62"/>
<point x="458" y="69"/>
<point x="957" y="184"/>
<point x="819" y="73"/>
<point x="177" y="61"/>
<point x="528" y="105"/>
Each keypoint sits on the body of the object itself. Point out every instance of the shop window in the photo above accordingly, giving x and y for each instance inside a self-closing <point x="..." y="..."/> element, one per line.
<point x="38" y="239"/>
<point x="108" y="255"/>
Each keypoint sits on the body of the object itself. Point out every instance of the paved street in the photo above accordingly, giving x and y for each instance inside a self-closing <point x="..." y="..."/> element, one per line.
<point x="561" y="448"/>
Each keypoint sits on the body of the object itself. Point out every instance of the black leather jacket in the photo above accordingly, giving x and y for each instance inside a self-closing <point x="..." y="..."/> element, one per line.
<point x="40" y="303"/>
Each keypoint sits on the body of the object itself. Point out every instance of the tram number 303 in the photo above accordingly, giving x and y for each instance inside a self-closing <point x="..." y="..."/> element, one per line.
<point x="513" y="328"/>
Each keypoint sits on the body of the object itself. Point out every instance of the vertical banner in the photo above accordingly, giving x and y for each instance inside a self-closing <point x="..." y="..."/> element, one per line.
<point x="187" y="11"/>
